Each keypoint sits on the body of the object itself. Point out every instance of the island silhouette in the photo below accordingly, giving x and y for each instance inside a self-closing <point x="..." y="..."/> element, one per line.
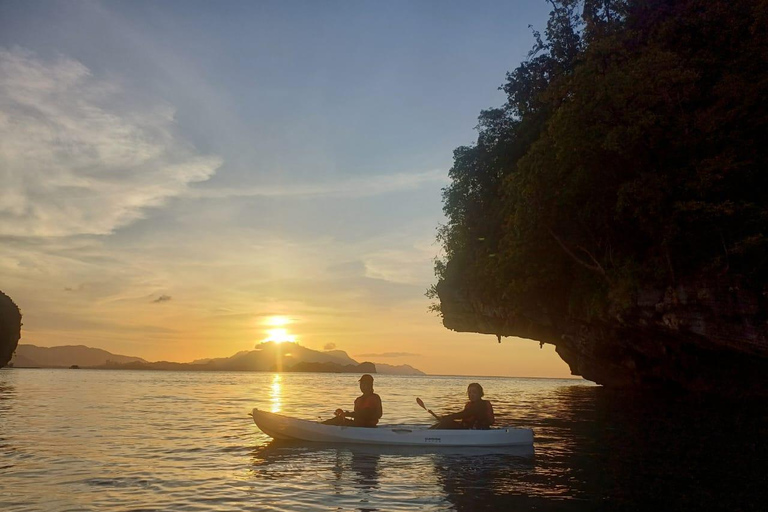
<point x="266" y="356"/>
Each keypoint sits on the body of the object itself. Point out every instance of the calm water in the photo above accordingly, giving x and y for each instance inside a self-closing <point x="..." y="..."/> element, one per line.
<point x="124" y="440"/>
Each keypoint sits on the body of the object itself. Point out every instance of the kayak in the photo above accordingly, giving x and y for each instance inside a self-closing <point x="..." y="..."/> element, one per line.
<point x="281" y="448"/>
<point x="283" y="427"/>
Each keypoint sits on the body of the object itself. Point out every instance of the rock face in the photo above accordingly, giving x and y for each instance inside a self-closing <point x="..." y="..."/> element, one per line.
<point x="10" y="328"/>
<point x="707" y="335"/>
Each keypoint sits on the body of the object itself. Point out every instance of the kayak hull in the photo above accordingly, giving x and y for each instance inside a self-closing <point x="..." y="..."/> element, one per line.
<point x="282" y="427"/>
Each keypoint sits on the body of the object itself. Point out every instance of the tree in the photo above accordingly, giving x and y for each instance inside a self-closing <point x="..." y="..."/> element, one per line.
<point x="629" y="153"/>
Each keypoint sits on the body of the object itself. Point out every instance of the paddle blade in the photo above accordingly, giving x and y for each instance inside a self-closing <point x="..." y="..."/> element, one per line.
<point x="421" y="403"/>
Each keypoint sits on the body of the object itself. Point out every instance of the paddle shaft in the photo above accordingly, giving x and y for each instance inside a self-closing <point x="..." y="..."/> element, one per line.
<point x="421" y="403"/>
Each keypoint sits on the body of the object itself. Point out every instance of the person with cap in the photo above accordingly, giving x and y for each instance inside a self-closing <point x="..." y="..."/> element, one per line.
<point x="367" y="410"/>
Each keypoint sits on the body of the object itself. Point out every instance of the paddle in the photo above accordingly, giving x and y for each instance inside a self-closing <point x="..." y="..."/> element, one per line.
<point x="421" y="403"/>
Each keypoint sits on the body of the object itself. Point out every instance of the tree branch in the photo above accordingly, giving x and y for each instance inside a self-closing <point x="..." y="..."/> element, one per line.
<point x="595" y="267"/>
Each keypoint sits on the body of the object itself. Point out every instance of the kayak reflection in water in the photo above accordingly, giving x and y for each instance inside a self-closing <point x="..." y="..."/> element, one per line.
<point x="367" y="408"/>
<point x="477" y="413"/>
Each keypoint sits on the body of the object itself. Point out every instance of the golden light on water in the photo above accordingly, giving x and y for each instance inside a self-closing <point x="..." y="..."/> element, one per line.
<point x="276" y="393"/>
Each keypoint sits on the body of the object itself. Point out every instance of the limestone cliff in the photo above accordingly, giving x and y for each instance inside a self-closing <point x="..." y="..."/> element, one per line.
<point x="10" y="328"/>
<point x="701" y="335"/>
<point x="616" y="204"/>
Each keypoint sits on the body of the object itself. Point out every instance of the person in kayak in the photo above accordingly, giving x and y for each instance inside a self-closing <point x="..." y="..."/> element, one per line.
<point x="477" y="413"/>
<point x="367" y="410"/>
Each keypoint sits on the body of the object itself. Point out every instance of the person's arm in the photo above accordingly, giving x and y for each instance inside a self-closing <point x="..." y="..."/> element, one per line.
<point x="347" y="414"/>
<point x="491" y="417"/>
<point x="457" y="415"/>
<point x="357" y="412"/>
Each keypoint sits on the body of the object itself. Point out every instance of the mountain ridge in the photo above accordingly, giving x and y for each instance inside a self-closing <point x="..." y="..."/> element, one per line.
<point x="267" y="356"/>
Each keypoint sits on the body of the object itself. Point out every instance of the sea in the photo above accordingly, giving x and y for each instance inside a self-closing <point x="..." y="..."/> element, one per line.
<point x="116" y="440"/>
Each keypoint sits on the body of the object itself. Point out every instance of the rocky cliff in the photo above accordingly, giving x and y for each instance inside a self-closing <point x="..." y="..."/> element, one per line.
<point x="706" y="335"/>
<point x="10" y="328"/>
<point x="616" y="204"/>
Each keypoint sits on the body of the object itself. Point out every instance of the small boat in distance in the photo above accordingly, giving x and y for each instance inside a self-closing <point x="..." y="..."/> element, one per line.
<point x="278" y="426"/>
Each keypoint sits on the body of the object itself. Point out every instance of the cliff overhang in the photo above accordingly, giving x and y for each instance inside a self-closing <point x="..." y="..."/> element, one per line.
<point x="702" y="335"/>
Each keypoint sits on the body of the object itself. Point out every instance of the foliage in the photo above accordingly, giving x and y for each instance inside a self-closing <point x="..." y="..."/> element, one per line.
<point x="10" y="328"/>
<point x="628" y="152"/>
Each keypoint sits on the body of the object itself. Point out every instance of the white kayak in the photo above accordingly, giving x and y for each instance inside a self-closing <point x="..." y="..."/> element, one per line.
<point x="278" y="426"/>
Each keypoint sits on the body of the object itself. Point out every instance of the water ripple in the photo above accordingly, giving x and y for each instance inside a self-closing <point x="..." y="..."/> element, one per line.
<point x="130" y="441"/>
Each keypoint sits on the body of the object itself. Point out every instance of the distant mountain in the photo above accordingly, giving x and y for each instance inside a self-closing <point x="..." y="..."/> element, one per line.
<point x="401" y="369"/>
<point x="65" y="356"/>
<point x="339" y="355"/>
<point x="332" y="368"/>
<point x="270" y="356"/>
<point x="265" y="357"/>
<point x="21" y="361"/>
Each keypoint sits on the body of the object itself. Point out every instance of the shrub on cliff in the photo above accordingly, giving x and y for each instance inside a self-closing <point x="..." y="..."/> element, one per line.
<point x="628" y="152"/>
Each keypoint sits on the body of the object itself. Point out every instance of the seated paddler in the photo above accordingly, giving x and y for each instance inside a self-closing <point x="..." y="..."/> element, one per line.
<point x="367" y="410"/>
<point x="477" y="413"/>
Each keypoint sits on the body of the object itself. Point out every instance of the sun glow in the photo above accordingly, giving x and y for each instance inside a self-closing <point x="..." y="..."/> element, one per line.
<point x="278" y="321"/>
<point x="279" y="336"/>
<point x="278" y="333"/>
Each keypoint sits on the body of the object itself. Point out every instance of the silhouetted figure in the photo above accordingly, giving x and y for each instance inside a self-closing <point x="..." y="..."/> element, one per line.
<point x="477" y="413"/>
<point x="367" y="408"/>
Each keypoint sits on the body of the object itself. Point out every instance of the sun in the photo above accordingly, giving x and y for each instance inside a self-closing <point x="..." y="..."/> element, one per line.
<point x="278" y="333"/>
<point x="279" y="336"/>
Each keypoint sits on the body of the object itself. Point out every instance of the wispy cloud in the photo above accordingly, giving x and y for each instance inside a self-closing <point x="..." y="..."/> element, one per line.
<point x="349" y="187"/>
<point x="78" y="155"/>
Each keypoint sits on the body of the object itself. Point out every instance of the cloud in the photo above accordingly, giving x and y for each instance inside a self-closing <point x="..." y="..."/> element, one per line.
<point x="162" y="298"/>
<point x="350" y="187"/>
<point x="389" y="354"/>
<point x="346" y="269"/>
<point x="78" y="155"/>
<point x="329" y="346"/>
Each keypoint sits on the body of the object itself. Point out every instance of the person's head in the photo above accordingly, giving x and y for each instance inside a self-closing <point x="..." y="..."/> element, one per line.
<point x="366" y="383"/>
<point x="475" y="392"/>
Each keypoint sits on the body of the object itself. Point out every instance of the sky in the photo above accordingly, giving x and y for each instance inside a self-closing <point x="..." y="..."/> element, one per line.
<point x="185" y="179"/>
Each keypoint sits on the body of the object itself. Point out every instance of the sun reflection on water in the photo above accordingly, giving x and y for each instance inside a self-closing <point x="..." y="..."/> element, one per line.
<point x="276" y="393"/>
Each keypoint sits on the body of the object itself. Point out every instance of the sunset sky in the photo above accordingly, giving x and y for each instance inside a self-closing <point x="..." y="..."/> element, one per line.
<point x="181" y="177"/>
